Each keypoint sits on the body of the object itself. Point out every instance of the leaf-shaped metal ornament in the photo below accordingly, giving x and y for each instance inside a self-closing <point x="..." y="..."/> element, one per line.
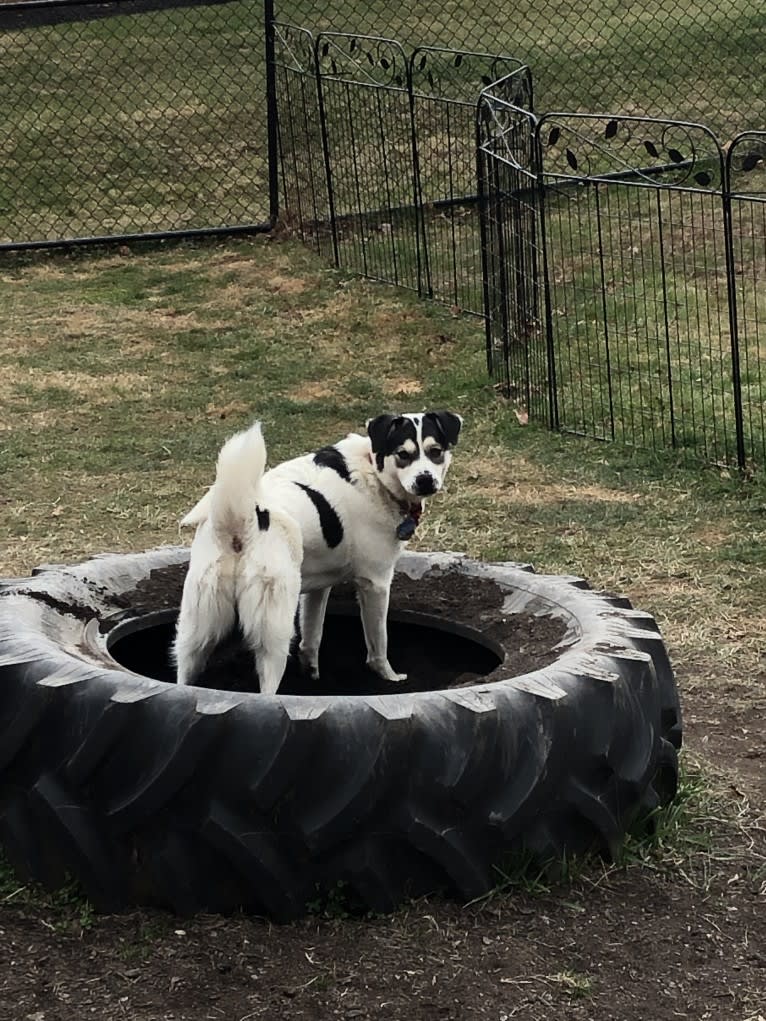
<point x="751" y="161"/>
<point x="703" y="178"/>
<point x="675" y="155"/>
<point x="458" y="59"/>
<point x="554" y="135"/>
<point x="651" y="148"/>
<point x="611" y="129"/>
<point x="571" y="159"/>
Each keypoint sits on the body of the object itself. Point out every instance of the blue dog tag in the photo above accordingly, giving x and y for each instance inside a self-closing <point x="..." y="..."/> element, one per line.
<point x="406" y="528"/>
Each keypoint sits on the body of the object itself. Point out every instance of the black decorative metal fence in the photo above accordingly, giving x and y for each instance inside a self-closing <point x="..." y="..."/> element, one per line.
<point x="616" y="258"/>
<point x="378" y="156"/>
<point x="623" y="263"/>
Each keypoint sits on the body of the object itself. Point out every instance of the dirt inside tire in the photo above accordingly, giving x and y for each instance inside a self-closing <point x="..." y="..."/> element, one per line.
<point x="445" y="631"/>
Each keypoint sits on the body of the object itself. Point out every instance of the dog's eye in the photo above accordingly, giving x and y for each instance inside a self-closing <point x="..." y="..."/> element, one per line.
<point x="404" y="455"/>
<point x="435" y="453"/>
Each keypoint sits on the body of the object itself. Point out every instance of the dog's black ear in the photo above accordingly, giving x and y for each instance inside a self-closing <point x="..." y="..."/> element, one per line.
<point x="448" y="423"/>
<point x="378" y="430"/>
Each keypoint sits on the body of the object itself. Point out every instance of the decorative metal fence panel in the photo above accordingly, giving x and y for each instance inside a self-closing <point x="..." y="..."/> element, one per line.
<point x="607" y="250"/>
<point x="303" y="181"/>
<point x="367" y="137"/>
<point x="444" y="85"/>
<point x="513" y="263"/>
<point x="387" y="169"/>
<point x="746" y="166"/>
<point x="637" y="281"/>
<point x="649" y="267"/>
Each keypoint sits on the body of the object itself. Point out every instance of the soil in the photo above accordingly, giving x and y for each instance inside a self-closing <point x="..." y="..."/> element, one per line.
<point x="491" y="646"/>
<point x="613" y="945"/>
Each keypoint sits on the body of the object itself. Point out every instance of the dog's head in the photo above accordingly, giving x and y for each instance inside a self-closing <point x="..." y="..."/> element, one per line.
<point x="412" y="452"/>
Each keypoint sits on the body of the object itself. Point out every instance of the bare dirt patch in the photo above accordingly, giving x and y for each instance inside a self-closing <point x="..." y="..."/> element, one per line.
<point x="287" y="285"/>
<point x="403" y="386"/>
<point x="632" y="946"/>
<point x="126" y="326"/>
<point x="97" y="388"/>
<point x="516" y="481"/>
<point x="311" y="391"/>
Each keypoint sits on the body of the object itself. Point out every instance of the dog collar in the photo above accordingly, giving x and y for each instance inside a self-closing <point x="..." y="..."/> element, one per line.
<point x="412" y="512"/>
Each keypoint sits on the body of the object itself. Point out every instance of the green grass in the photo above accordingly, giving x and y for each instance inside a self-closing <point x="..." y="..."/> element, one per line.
<point x="133" y="123"/>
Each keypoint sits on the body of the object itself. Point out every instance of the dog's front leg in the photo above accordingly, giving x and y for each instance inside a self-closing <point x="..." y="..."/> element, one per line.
<point x="313" y="607"/>
<point x="373" y="602"/>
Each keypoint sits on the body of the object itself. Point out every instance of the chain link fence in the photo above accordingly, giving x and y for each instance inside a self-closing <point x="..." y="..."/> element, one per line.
<point x="131" y="118"/>
<point x="700" y="60"/>
<point x="134" y="117"/>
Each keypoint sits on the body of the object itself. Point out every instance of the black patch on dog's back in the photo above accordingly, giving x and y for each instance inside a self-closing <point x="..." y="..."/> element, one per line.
<point x="264" y="518"/>
<point x="331" y="457"/>
<point x="329" y="522"/>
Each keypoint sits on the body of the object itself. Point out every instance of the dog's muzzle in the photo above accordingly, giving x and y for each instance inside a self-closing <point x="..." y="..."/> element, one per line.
<point x="425" y="484"/>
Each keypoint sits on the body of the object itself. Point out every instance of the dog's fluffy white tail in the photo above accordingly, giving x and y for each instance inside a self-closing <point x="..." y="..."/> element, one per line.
<point x="232" y="500"/>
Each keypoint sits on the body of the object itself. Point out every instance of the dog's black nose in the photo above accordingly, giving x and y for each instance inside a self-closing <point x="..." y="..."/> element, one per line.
<point x="425" y="484"/>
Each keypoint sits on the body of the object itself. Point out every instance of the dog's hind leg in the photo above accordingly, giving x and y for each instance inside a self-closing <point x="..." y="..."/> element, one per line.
<point x="313" y="608"/>
<point x="271" y="668"/>
<point x="207" y="615"/>
<point x="267" y="607"/>
<point x="191" y="652"/>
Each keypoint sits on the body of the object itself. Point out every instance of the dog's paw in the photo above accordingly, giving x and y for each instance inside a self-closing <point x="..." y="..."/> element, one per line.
<point x="309" y="664"/>
<point x="386" y="671"/>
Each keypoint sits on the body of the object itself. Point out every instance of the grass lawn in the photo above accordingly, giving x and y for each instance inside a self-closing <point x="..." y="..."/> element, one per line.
<point x="122" y="372"/>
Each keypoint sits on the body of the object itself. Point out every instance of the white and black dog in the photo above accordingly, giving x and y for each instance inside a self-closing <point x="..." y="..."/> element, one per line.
<point x="263" y="538"/>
